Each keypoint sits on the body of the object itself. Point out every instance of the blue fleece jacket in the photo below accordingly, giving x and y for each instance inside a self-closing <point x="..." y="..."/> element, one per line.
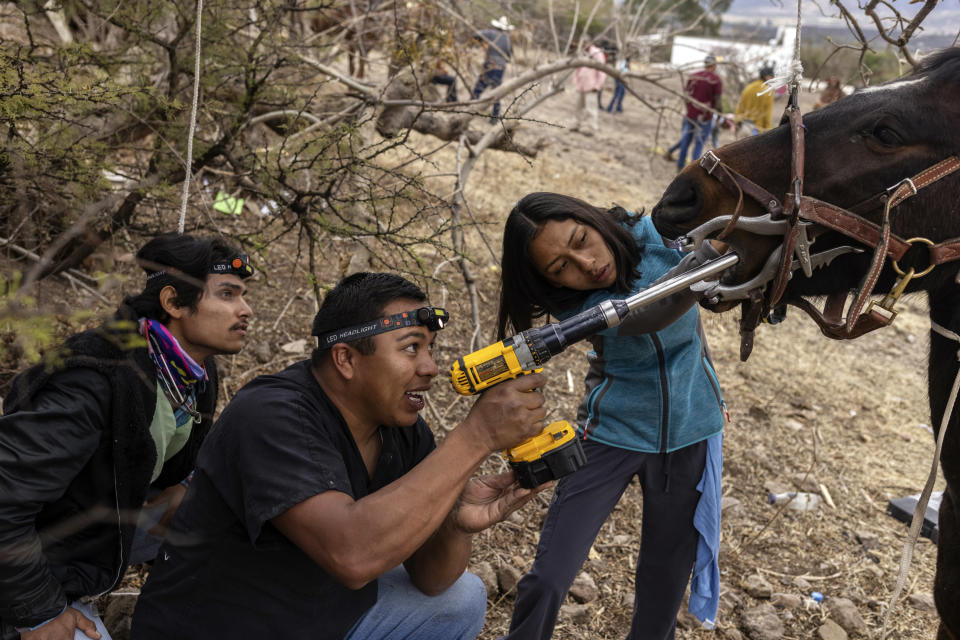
<point x="651" y="388"/>
<point x="657" y="391"/>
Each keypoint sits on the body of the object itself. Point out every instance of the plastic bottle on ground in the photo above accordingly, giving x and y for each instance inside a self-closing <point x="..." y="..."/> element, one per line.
<point x="801" y="501"/>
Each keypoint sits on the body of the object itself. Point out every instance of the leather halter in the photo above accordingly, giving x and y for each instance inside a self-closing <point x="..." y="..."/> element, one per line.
<point x="818" y="217"/>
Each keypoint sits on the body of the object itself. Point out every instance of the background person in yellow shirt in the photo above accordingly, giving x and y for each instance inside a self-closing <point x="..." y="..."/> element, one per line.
<point x="755" y="112"/>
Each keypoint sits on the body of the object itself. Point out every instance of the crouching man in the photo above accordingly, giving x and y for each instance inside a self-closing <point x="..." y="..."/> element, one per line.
<point x="115" y="414"/>
<point x="321" y="506"/>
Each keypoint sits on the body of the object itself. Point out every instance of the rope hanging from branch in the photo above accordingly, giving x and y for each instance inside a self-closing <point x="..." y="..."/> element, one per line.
<point x="794" y="74"/>
<point x="188" y="160"/>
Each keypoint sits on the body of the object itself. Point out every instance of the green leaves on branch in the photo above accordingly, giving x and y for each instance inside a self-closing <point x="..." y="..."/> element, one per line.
<point x="24" y="332"/>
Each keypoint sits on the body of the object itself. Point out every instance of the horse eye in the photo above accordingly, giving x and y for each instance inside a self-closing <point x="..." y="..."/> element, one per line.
<point x="887" y="136"/>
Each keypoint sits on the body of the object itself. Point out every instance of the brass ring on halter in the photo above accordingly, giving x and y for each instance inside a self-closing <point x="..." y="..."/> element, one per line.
<point x="927" y="242"/>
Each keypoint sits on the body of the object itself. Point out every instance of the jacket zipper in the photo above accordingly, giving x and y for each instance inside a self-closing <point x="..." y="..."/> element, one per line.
<point x="593" y="415"/>
<point x="665" y="409"/>
<point x="713" y="380"/>
<point x="712" y="377"/>
<point x="116" y="498"/>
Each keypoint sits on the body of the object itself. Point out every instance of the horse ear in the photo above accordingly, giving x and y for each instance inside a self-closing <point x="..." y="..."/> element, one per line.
<point x="785" y="118"/>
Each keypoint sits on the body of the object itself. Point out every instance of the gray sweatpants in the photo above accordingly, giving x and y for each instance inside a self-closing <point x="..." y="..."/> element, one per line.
<point x="582" y="502"/>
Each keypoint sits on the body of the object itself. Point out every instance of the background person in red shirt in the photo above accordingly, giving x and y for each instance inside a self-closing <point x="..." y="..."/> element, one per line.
<point x="705" y="87"/>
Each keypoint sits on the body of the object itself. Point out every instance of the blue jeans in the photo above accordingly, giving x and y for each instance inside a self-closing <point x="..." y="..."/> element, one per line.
<point x="145" y="546"/>
<point x="403" y="612"/>
<point x="490" y="78"/>
<point x="616" y="104"/>
<point x="686" y="135"/>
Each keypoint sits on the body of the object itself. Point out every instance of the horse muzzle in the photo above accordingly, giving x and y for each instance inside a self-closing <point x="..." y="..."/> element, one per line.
<point x="678" y="208"/>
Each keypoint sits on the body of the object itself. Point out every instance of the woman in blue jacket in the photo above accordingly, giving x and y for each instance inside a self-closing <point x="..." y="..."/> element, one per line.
<point x="652" y="409"/>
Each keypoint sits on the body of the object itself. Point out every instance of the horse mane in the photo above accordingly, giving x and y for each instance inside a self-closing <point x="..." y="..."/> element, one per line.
<point x="942" y="66"/>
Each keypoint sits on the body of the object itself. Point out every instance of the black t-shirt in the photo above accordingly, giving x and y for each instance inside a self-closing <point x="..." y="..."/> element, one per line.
<point x="225" y="570"/>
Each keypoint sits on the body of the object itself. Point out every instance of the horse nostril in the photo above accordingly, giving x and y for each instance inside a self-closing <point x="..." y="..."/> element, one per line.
<point x="680" y="204"/>
<point x="681" y="201"/>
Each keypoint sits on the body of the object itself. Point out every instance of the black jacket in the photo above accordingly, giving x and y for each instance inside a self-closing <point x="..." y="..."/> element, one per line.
<point x="76" y="458"/>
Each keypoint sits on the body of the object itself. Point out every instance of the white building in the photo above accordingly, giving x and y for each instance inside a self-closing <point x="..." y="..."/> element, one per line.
<point x="688" y="52"/>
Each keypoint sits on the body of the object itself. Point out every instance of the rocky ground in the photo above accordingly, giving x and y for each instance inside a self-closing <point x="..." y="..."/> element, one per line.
<point x="844" y="420"/>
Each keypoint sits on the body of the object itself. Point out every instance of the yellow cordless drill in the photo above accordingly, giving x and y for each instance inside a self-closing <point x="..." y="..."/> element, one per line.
<point x="556" y="451"/>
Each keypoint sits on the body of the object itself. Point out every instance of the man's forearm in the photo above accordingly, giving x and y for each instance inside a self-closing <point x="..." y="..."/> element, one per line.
<point x="417" y="504"/>
<point x="441" y="559"/>
<point x="358" y="541"/>
<point x="42" y="451"/>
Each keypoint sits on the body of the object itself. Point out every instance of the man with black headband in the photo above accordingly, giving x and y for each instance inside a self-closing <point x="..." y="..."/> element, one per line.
<point x="322" y="507"/>
<point x="113" y="416"/>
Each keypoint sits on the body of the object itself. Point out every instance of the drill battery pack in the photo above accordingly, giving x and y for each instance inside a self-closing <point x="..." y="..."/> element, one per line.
<point x="554" y="453"/>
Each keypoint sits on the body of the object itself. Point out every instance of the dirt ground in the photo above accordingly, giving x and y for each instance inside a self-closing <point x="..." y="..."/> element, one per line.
<point x="850" y="419"/>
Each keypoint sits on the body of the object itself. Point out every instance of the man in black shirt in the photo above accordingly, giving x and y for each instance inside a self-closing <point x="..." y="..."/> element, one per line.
<point x="319" y="482"/>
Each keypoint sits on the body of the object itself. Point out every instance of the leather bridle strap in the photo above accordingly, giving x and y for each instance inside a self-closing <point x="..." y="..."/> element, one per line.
<point x="880" y="253"/>
<point x="739" y="184"/>
<point x="919" y="181"/>
<point x="886" y="245"/>
<point x="837" y="330"/>
<point x="837" y="218"/>
<point x="843" y="220"/>
<point x="793" y="201"/>
<point x="869" y="233"/>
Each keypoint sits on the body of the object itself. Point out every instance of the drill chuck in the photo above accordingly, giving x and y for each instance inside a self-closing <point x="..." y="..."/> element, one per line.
<point x="535" y="346"/>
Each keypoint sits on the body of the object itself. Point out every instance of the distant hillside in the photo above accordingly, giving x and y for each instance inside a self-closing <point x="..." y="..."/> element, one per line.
<point x="760" y="18"/>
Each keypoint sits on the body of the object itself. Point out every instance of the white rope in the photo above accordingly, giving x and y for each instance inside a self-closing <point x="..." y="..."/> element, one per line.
<point x="906" y="556"/>
<point x="796" y="67"/>
<point x="946" y="333"/>
<point x="794" y="74"/>
<point x="188" y="161"/>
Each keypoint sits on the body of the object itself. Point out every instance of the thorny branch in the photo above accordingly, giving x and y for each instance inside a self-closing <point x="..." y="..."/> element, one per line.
<point x="306" y="155"/>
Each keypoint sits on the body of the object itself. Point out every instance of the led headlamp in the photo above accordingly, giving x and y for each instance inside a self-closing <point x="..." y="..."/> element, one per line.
<point x="238" y="265"/>
<point x="433" y="318"/>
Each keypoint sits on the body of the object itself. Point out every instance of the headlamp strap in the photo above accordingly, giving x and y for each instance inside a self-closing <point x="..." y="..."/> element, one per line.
<point x="238" y="265"/>
<point x="434" y="318"/>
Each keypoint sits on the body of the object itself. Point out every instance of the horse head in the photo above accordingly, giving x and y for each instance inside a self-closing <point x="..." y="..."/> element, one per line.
<point x="855" y="150"/>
